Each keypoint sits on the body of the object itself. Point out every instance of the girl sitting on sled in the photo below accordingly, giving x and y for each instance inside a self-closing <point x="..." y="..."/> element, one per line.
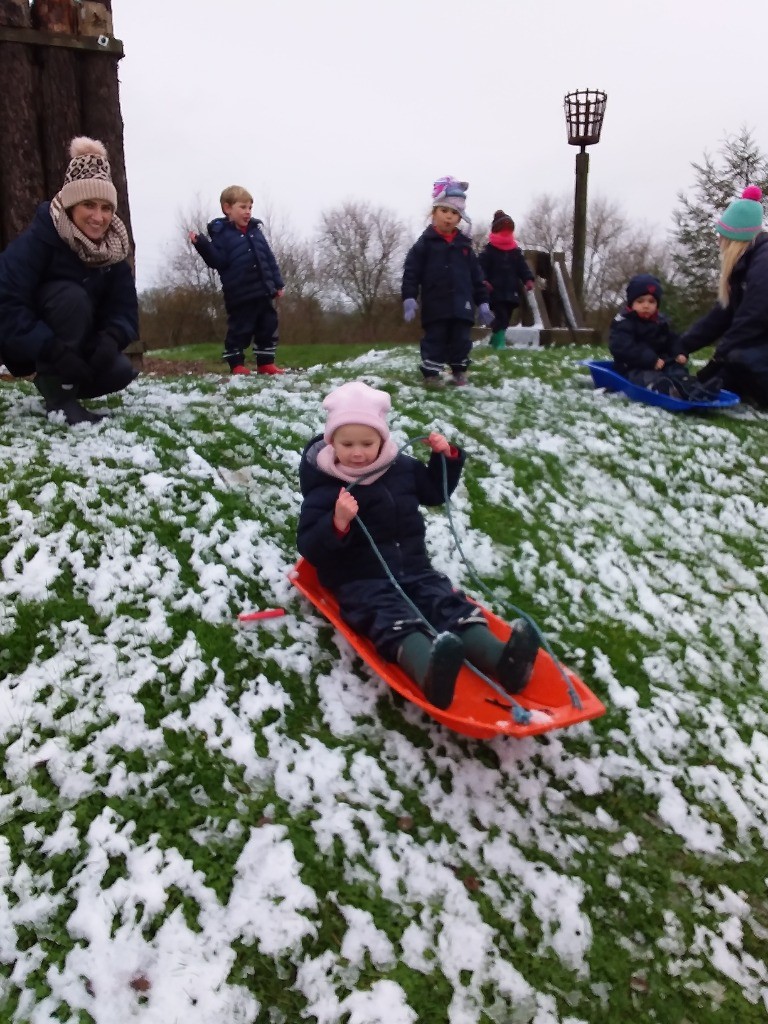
<point x="353" y="473"/>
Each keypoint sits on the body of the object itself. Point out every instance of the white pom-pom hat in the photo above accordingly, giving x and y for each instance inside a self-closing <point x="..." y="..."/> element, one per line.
<point x="89" y="175"/>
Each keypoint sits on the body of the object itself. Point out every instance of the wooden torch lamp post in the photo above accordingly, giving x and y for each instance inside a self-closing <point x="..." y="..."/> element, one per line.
<point x="584" y="112"/>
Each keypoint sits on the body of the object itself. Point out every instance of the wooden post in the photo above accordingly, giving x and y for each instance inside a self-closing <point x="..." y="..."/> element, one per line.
<point x="22" y="183"/>
<point x="59" y="90"/>
<point x="580" y="224"/>
<point x="100" y="99"/>
<point x="54" y="16"/>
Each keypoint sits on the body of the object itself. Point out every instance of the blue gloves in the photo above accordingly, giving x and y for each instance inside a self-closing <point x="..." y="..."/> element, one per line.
<point x="484" y="314"/>
<point x="409" y="309"/>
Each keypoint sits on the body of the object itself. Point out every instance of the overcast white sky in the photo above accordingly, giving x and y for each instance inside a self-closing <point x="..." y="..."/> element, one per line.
<point x="311" y="102"/>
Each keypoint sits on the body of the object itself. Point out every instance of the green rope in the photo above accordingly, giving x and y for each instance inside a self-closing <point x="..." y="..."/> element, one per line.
<point x="521" y="715"/>
<point x="575" y="699"/>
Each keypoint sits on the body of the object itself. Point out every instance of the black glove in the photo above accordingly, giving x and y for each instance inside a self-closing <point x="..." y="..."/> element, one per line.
<point x="59" y="360"/>
<point x="105" y="351"/>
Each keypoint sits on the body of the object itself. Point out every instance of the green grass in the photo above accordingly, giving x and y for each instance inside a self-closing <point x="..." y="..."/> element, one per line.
<point x="147" y="740"/>
<point x="290" y="356"/>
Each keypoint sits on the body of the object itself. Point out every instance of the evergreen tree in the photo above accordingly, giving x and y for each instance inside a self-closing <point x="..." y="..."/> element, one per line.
<point x="717" y="181"/>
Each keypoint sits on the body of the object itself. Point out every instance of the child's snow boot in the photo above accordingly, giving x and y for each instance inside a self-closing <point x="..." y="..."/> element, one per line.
<point x="515" y="666"/>
<point x="445" y="663"/>
<point x="511" y="663"/>
<point x="269" y="368"/>
<point x="241" y="371"/>
<point x="498" y="340"/>
<point x="433" y="665"/>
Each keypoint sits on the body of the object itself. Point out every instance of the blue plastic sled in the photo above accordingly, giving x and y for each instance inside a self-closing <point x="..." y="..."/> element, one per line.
<point x="604" y="376"/>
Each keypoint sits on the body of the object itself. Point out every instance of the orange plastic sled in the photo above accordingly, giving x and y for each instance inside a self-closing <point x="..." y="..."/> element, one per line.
<point x="477" y="709"/>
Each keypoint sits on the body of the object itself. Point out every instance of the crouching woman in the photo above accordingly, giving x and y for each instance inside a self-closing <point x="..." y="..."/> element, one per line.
<point x="68" y="305"/>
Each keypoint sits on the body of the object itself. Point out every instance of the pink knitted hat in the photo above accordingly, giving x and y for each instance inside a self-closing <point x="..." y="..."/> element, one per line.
<point x="355" y="402"/>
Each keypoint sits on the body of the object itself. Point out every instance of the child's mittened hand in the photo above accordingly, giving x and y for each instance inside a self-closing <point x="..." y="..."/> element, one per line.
<point x="345" y="509"/>
<point x="438" y="444"/>
<point x="484" y="314"/>
<point x="409" y="309"/>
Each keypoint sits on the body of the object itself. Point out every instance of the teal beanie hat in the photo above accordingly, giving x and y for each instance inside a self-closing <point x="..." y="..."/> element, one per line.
<point x="743" y="219"/>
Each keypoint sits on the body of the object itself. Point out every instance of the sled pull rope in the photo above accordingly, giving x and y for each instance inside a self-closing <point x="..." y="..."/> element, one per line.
<point x="517" y="709"/>
<point x="575" y="699"/>
<point x="521" y="715"/>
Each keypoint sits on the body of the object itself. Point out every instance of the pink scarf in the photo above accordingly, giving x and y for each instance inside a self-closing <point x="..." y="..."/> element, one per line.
<point x="502" y="240"/>
<point x="326" y="460"/>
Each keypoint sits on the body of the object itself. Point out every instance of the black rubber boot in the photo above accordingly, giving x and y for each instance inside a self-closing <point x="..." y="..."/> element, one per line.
<point x="515" y="665"/>
<point x="433" y="665"/>
<point x="62" y="399"/>
<point x="444" y="666"/>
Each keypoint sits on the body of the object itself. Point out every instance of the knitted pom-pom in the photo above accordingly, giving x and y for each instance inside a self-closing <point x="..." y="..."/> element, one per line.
<point x="83" y="146"/>
<point x="752" y="192"/>
<point x="499" y="213"/>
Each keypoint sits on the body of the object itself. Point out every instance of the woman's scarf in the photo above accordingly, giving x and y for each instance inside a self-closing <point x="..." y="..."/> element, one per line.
<point x="502" y="240"/>
<point x="113" y="248"/>
<point x="326" y="460"/>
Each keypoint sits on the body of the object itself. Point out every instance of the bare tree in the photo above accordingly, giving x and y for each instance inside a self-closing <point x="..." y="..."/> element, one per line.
<point x="548" y="225"/>
<point x="186" y="304"/>
<point x="361" y="249"/>
<point x="615" y="249"/>
<point x="296" y="257"/>
<point x="185" y="268"/>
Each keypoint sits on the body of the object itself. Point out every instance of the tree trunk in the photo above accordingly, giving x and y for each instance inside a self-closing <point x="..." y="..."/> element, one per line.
<point x="59" y="90"/>
<point x="100" y="97"/>
<point x="60" y="119"/>
<point x="101" y="119"/>
<point x="22" y="184"/>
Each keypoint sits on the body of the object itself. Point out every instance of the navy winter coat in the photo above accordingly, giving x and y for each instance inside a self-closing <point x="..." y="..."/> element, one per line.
<point x="504" y="269"/>
<point x="742" y="327"/>
<point x="447" y="273"/>
<point x="38" y="256"/>
<point x="246" y="264"/>
<point x="636" y="344"/>
<point x="389" y="508"/>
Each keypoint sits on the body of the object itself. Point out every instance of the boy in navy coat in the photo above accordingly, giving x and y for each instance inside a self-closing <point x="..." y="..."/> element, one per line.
<point x="644" y="347"/>
<point x="250" y="279"/>
<point x="443" y="267"/>
<point x="356" y="450"/>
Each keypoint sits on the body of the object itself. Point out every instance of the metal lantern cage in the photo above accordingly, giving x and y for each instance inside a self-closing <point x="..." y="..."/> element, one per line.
<point x="584" y="112"/>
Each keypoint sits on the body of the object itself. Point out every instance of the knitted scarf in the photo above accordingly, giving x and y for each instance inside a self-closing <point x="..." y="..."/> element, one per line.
<point x="326" y="460"/>
<point x="502" y="240"/>
<point x="113" y="248"/>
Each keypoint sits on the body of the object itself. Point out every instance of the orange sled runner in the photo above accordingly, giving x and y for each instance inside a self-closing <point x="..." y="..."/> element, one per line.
<point x="477" y="709"/>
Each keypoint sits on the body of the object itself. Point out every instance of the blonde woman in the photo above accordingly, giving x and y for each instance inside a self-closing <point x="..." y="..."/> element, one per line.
<point x="738" y="323"/>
